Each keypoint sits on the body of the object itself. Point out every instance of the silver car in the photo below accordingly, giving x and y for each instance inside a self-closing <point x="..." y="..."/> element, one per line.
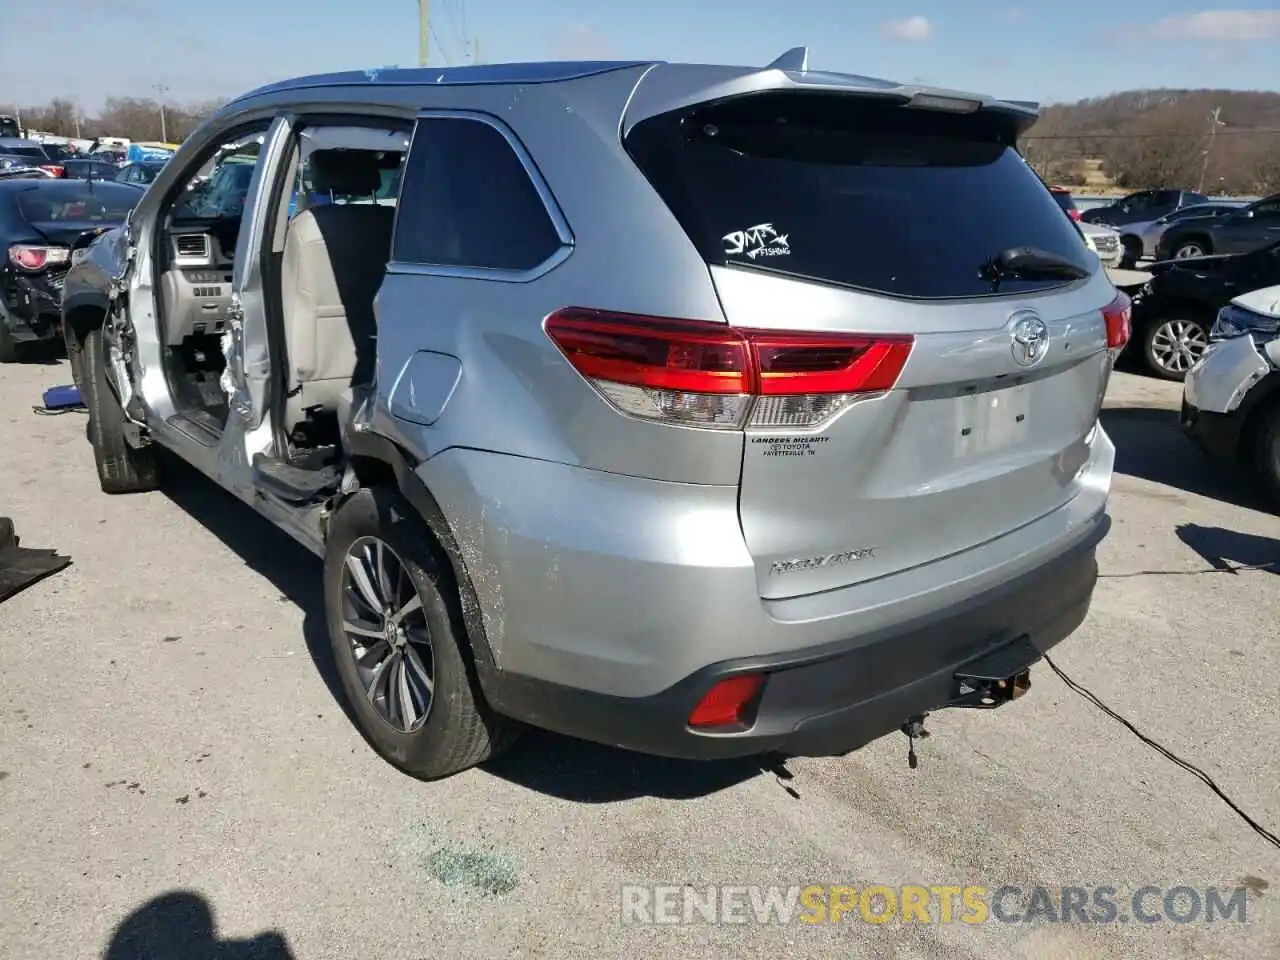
<point x="1103" y="241"/>
<point x="684" y="408"/>
<point x="1231" y="397"/>
<point x="1142" y="240"/>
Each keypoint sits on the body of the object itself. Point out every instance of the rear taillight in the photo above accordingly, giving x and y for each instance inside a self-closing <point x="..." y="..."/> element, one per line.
<point x="26" y="257"/>
<point x="1074" y="215"/>
<point x="728" y="702"/>
<point x="1117" y="314"/>
<point x="53" y="168"/>
<point x="696" y="373"/>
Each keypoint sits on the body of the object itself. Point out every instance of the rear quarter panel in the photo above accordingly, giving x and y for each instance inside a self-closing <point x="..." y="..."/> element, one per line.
<point x="517" y="395"/>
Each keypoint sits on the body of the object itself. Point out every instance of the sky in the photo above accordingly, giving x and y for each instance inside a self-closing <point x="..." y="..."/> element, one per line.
<point x="199" y="50"/>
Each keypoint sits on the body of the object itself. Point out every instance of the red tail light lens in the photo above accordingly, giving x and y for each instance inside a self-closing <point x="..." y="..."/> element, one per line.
<point x="726" y="703"/>
<point x="799" y="363"/>
<point x="708" y="374"/>
<point x="1074" y="214"/>
<point x="27" y="257"/>
<point x="660" y="353"/>
<point x="1118" y="315"/>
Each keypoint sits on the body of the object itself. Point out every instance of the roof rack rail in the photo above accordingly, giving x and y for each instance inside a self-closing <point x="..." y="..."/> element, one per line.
<point x="795" y="60"/>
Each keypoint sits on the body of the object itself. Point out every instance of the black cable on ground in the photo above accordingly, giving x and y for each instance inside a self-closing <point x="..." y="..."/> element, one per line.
<point x="1168" y="754"/>
<point x="46" y="412"/>
<point x="1230" y="568"/>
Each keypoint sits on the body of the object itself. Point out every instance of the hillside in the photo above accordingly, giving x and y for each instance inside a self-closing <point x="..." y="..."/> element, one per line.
<point x="1148" y="138"/>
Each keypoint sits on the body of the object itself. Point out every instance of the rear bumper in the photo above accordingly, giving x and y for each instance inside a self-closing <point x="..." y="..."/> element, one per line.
<point x="1217" y="434"/>
<point x="29" y="309"/>
<point x="835" y="698"/>
<point x="1222" y="390"/>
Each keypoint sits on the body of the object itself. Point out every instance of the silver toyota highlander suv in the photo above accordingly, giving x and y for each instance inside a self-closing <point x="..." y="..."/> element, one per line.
<point x="684" y="408"/>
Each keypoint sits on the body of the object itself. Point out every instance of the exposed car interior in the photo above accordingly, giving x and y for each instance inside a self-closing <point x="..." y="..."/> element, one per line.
<point x="329" y="245"/>
<point x="194" y="265"/>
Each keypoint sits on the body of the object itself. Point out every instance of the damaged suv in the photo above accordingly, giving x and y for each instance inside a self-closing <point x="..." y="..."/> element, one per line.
<point x="683" y="408"/>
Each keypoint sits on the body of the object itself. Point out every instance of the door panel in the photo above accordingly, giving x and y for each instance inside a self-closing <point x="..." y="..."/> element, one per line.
<point x="249" y="358"/>
<point x="245" y="344"/>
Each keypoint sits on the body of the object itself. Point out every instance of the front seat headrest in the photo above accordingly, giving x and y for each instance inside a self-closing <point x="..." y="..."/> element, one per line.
<point x="349" y="172"/>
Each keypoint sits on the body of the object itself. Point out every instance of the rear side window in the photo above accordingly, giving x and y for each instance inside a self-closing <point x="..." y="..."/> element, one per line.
<point x="467" y="201"/>
<point x="1064" y="200"/>
<point x="905" y="202"/>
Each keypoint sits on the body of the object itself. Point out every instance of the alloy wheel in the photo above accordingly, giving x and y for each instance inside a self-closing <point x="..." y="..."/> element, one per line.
<point x="388" y="634"/>
<point x="1177" y="344"/>
<point x="1188" y="250"/>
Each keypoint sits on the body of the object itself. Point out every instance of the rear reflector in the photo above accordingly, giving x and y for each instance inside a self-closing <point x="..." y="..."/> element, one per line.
<point x="1117" y="314"/>
<point x="726" y="703"/>
<point x="698" y="373"/>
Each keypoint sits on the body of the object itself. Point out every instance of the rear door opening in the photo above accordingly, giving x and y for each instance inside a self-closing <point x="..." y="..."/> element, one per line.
<point x="842" y="214"/>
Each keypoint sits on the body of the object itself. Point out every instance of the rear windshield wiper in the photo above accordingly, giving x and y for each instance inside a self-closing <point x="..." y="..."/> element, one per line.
<point x="1030" y="263"/>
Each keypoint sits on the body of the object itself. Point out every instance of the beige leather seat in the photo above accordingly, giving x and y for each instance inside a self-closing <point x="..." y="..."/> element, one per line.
<point x="334" y="259"/>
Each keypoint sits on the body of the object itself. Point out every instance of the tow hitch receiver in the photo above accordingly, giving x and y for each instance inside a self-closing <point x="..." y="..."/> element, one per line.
<point x="994" y="679"/>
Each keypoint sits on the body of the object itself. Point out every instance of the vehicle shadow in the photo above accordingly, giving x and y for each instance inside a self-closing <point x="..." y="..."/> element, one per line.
<point x="1226" y="549"/>
<point x="266" y="550"/>
<point x="544" y="762"/>
<point x="179" y="926"/>
<point x="47" y="353"/>
<point x="1150" y="445"/>
<point x="583" y="772"/>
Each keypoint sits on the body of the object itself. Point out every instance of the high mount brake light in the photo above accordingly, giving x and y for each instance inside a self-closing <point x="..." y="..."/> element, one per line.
<point x="1118" y="314"/>
<point x="698" y="373"/>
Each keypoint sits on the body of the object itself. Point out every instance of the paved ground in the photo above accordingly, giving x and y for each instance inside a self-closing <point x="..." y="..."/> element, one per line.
<point x="164" y="729"/>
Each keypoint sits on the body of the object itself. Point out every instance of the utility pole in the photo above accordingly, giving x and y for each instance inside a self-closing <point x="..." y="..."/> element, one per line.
<point x="475" y="50"/>
<point x="1214" y="124"/>
<point x="162" y="90"/>
<point x="424" y="34"/>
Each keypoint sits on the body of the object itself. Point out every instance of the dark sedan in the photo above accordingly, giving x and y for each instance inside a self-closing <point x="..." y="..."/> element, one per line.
<point x="1142" y="207"/>
<point x="1248" y="228"/>
<point x="85" y="169"/>
<point x="30" y="152"/>
<point x="40" y="222"/>
<point x="1174" y="312"/>
<point x="141" y="172"/>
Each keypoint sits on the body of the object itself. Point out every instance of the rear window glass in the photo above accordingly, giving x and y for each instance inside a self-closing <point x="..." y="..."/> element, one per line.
<point x="34" y="153"/>
<point x="77" y="201"/>
<point x="909" y="203"/>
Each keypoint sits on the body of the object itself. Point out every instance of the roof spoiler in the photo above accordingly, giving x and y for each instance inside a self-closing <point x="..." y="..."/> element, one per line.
<point x="794" y="60"/>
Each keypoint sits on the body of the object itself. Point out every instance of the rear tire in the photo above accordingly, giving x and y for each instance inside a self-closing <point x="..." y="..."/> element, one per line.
<point x="9" y="348"/>
<point x="121" y="468"/>
<point x="1132" y="252"/>
<point x="1266" y="454"/>
<point x="449" y="726"/>
<point x="1189" y="247"/>
<point x="1171" y="345"/>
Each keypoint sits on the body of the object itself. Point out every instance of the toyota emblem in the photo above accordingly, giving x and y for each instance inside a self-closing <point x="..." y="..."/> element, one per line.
<point x="1030" y="340"/>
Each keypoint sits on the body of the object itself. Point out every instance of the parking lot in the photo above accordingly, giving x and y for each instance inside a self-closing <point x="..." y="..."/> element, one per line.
<point x="169" y="725"/>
